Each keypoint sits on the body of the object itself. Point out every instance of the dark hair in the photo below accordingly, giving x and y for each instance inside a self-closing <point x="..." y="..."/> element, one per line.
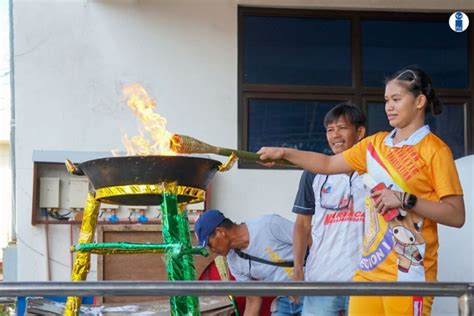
<point x="418" y="82"/>
<point x="226" y="224"/>
<point x="350" y="111"/>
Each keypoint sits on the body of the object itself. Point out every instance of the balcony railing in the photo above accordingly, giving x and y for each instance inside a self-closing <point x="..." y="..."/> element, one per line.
<point x="463" y="291"/>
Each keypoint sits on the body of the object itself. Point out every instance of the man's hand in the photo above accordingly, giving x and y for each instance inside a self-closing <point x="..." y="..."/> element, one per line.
<point x="298" y="275"/>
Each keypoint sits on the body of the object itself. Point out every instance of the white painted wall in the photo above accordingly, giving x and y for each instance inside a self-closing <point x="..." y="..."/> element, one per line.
<point x="456" y="249"/>
<point x="5" y="105"/>
<point x="5" y="196"/>
<point x="5" y="108"/>
<point x="72" y="58"/>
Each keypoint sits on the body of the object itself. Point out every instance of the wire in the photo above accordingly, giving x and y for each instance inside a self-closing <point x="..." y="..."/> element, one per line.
<point x="55" y="213"/>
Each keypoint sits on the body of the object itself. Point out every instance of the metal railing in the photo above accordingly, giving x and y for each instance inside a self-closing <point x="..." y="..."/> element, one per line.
<point x="463" y="291"/>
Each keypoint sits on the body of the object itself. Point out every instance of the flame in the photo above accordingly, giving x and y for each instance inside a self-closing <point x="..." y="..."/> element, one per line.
<point x="153" y="125"/>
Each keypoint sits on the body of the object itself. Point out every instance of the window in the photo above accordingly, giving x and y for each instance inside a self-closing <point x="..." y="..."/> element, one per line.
<point x="297" y="51"/>
<point x="294" y="65"/>
<point x="390" y="45"/>
<point x="289" y="123"/>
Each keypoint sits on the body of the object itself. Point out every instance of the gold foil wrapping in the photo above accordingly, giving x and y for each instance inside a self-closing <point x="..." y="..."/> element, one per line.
<point x="229" y="163"/>
<point x="196" y="194"/>
<point x="82" y="262"/>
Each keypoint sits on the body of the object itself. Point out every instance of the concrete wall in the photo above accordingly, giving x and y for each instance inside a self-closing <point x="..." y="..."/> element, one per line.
<point x="72" y="58"/>
<point x="5" y="196"/>
<point x="5" y="105"/>
<point x="5" y="108"/>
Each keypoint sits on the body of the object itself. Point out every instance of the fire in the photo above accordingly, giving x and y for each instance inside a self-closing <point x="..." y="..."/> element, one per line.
<point x="153" y="125"/>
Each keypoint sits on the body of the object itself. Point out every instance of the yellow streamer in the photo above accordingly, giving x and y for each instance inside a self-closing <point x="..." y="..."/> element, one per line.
<point x="196" y="194"/>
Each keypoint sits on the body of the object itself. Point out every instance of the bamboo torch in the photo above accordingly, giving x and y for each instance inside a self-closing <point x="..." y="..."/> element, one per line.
<point x="183" y="144"/>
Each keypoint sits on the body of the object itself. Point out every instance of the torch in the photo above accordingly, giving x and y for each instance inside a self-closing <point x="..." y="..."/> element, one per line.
<point x="183" y="144"/>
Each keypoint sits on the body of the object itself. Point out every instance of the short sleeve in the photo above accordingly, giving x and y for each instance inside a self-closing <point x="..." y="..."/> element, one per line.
<point x="282" y="229"/>
<point x="356" y="156"/>
<point x="305" y="199"/>
<point x="444" y="173"/>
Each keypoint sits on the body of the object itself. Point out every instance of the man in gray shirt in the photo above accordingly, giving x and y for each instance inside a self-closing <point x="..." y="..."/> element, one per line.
<point x="257" y="250"/>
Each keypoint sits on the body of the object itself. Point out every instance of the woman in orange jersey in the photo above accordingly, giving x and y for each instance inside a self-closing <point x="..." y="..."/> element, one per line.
<point x="412" y="185"/>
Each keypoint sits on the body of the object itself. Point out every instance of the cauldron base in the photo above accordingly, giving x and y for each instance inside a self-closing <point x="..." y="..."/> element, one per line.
<point x="142" y="199"/>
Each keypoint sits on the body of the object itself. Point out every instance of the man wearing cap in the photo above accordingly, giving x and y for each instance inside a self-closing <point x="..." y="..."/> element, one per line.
<point x="257" y="250"/>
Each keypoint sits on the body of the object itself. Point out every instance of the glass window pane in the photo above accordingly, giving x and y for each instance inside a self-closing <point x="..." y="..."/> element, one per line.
<point x="297" y="50"/>
<point x="388" y="46"/>
<point x="452" y="116"/>
<point x="376" y="119"/>
<point x="290" y="123"/>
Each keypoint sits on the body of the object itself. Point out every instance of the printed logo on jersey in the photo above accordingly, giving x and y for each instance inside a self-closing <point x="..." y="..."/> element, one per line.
<point x="326" y="188"/>
<point x="343" y="216"/>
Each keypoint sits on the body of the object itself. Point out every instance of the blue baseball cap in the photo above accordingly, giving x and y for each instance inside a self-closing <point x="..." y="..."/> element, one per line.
<point x="206" y="224"/>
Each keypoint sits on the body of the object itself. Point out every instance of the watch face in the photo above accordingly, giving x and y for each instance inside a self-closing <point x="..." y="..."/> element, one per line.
<point x="411" y="201"/>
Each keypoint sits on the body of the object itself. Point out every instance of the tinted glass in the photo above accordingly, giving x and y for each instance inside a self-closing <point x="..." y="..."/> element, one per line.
<point x="388" y="46"/>
<point x="376" y="119"/>
<point x="289" y="123"/>
<point x="297" y="50"/>
<point x="449" y="126"/>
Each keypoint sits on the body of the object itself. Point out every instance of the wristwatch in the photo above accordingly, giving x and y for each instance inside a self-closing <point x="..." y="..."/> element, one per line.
<point x="410" y="201"/>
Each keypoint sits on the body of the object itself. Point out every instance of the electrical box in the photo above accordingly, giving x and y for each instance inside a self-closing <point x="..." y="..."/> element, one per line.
<point x="58" y="196"/>
<point x="49" y="193"/>
<point x="78" y="189"/>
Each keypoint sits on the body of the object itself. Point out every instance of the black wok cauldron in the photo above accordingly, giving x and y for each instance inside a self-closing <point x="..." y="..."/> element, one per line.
<point x="133" y="170"/>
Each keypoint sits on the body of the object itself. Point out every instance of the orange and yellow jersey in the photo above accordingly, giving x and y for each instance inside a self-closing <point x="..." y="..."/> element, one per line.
<point x="403" y="249"/>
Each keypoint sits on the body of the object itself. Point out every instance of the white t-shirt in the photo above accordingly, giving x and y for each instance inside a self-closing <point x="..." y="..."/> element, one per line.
<point x="337" y="224"/>
<point x="270" y="239"/>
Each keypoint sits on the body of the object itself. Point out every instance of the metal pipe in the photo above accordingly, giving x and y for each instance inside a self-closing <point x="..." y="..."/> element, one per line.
<point x="220" y="288"/>
<point x="466" y="304"/>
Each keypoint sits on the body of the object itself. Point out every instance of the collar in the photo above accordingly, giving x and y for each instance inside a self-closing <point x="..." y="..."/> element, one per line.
<point x="414" y="138"/>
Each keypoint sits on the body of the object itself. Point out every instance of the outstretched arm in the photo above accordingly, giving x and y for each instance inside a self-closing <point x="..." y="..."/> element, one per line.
<point x="311" y="161"/>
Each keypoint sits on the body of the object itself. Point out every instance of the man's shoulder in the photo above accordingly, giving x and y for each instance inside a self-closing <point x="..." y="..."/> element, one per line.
<point x="308" y="178"/>
<point x="267" y="219"/>
<point x="308" y="175"/>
